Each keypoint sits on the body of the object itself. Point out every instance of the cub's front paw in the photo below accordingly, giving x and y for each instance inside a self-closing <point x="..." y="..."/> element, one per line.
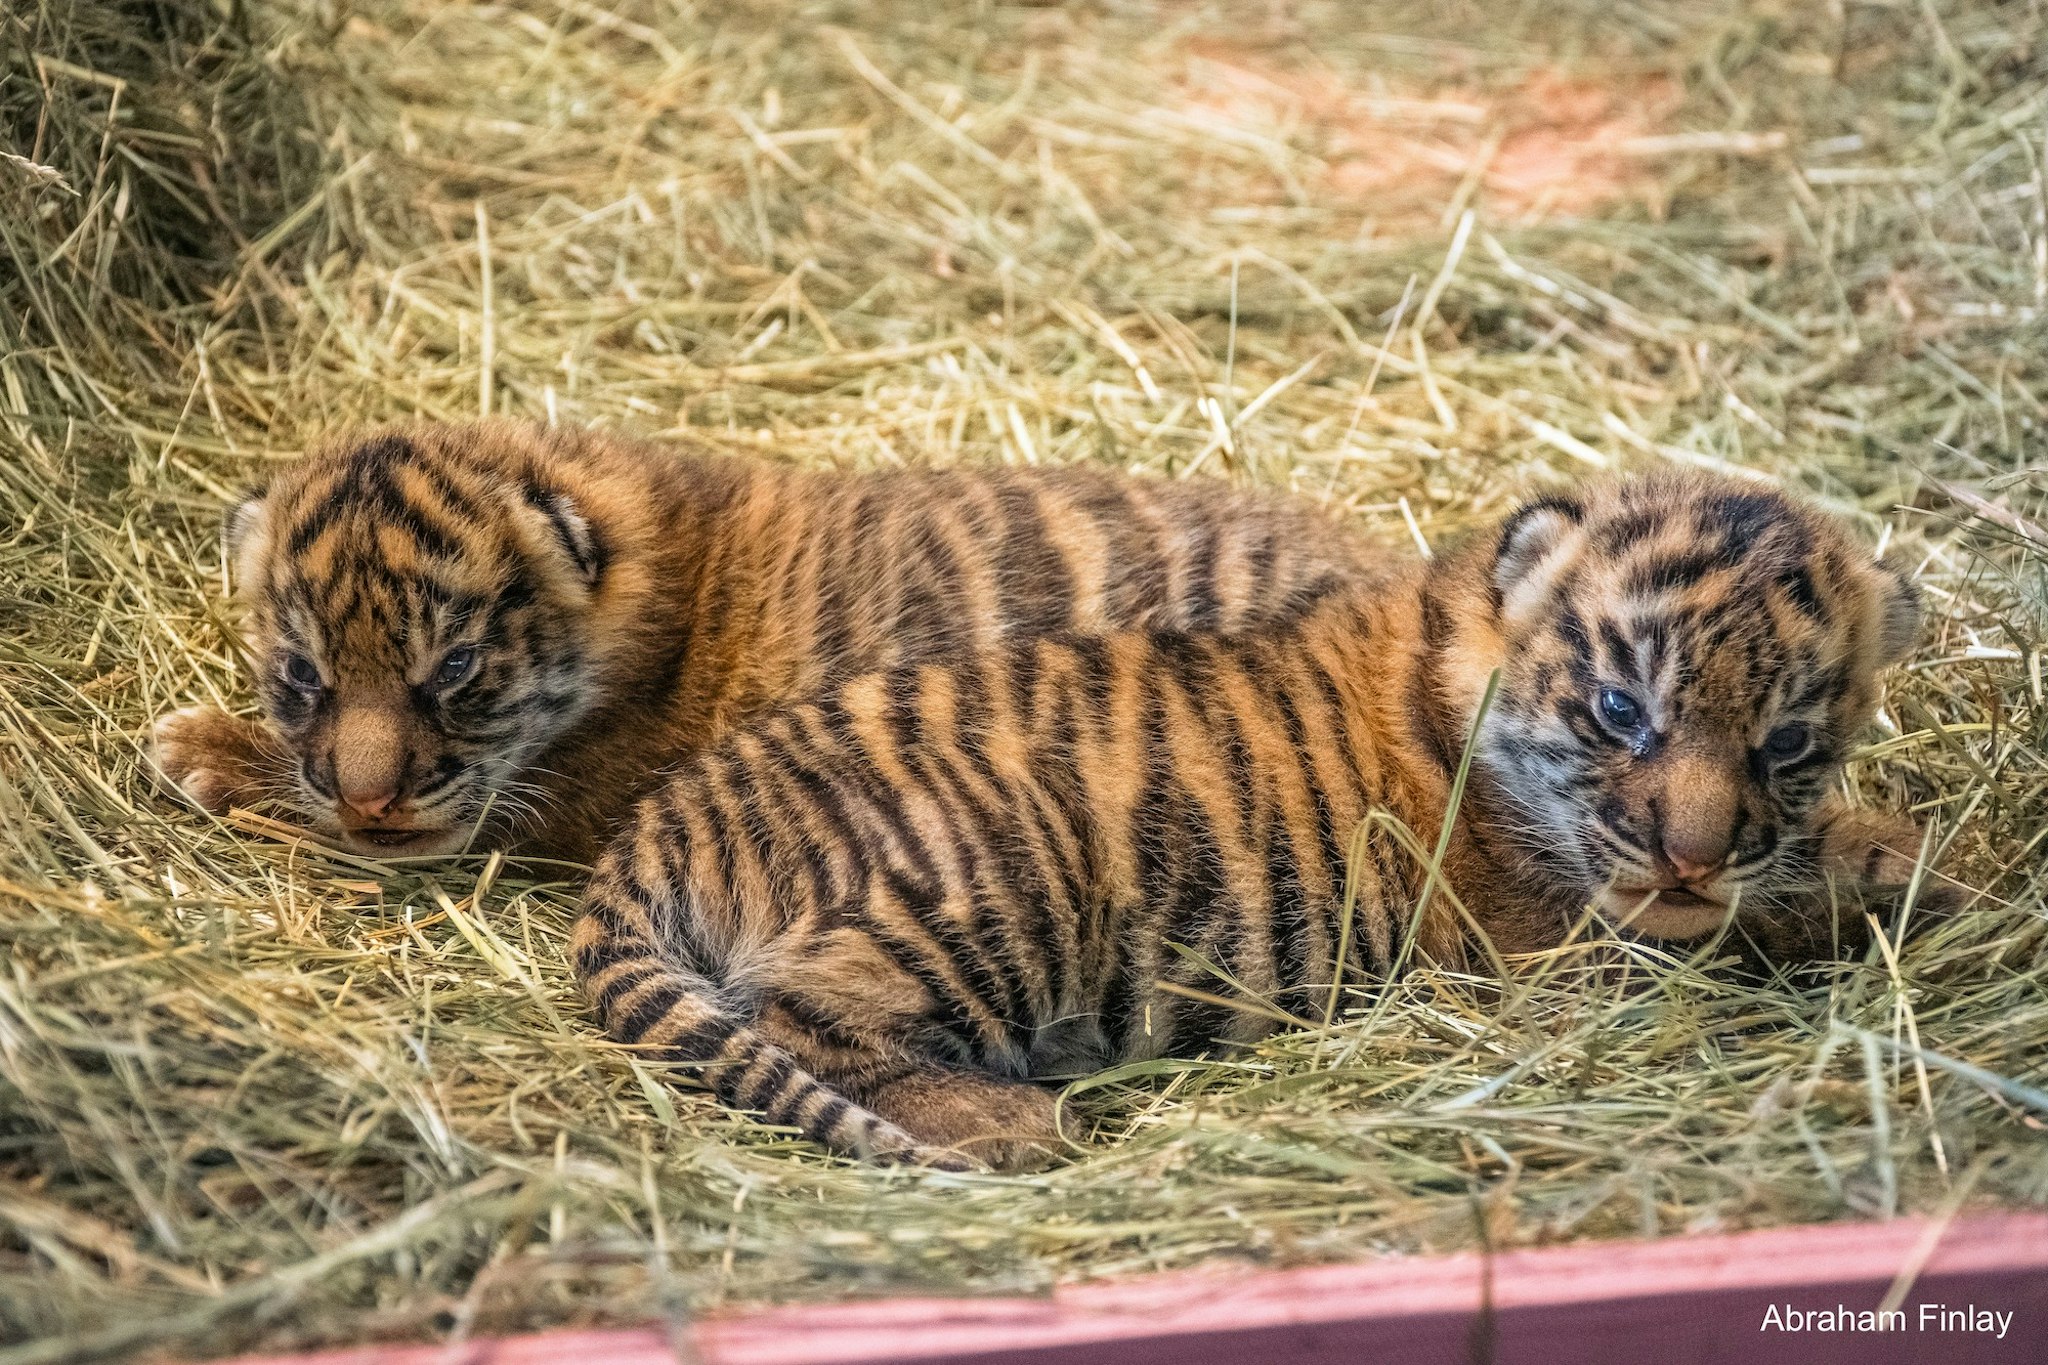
<point x="1868" y="861"/>
<point x="1879" y="853"/>
<point x="1870" y="848"/>
<point x="215" y="760"/>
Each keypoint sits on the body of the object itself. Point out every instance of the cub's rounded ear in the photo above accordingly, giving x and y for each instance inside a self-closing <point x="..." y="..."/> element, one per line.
<point x="1898" y="620"/>
<point x="246" y="531"/>
<point x="1533" y="534"/>
<point x="572" y="531"/>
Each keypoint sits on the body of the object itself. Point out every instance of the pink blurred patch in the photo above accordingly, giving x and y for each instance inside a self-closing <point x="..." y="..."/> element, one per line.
<point x="1551" y="145"/>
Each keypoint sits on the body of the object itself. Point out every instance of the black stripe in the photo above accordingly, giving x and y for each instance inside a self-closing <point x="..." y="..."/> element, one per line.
<point x="1200" y="607"/>
<point x="1332" y="853"/>
<point x="1621" y="534"/>
<point x="1620" y="652"/>
<point x="768" y="1087"/>
<point x="649" y="1012"/>
<point x="1153" y="821"/>
<point x="1288" y="913"/>
<point x="836" y="602"/>
<point x="623" y="985"/>
<point x="1420" y="703"/>
<point x="1667" y="573"/>
<point x="706" y="1041"/>
<point x="827" y="1118"/>
<point x="1258" y="572"/>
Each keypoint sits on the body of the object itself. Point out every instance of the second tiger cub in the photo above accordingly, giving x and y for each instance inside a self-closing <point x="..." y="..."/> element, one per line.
<point x="876" y="916"/>
<point x="499" y="631"/>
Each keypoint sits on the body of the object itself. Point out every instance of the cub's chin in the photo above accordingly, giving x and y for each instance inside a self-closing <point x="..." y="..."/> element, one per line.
<point x="394" y="842"/>
<point x="1664" y="914"/>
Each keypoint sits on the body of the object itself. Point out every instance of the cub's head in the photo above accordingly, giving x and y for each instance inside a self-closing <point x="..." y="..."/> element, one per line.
<point x="417" y="613"/>
<point x="1684" y="663"/>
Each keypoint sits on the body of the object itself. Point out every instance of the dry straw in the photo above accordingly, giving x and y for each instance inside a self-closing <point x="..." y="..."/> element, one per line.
<point x="252" y="1094"/>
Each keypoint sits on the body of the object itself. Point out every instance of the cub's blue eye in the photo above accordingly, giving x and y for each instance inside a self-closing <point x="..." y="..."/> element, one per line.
<point x="1788" y="741"/>
<point x="459" y="664"/>
<point x="301" y="673"/>
<point x="1619" y="709"/>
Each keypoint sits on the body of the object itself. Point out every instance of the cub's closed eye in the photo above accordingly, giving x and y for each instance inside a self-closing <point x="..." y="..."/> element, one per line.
<point x="1619" y="709"/>
<point x="456" y="666"/>
<point x="1788" y="741"/>
<point x="302" y="673"/>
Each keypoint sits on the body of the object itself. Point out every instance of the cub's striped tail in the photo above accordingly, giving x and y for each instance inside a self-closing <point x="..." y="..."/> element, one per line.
<point x="676" y="1013"/>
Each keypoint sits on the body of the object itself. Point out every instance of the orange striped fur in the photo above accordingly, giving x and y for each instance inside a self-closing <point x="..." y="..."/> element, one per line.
<point x="495" y="631"/>
<point x="877" y="916"/>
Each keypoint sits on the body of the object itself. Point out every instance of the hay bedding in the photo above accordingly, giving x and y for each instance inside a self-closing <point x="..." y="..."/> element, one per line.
<point x="256" y="1094"/>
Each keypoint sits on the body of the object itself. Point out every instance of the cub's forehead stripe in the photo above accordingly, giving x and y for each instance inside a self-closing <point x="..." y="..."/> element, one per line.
<point x="1617" y="535"/>
<point x="1659" y="574"/>
<point x="1621" y="651"/>
<point x="388" y="479"/>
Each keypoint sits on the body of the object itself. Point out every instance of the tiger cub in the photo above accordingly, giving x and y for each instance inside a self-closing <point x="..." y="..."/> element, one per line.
<point x="876" y="915"/>
<point x="499" y="630"/>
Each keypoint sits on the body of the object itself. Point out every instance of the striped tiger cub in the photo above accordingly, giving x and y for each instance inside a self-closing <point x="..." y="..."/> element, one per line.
<point x="876" y="916"/>
<point x="504" y="631"/>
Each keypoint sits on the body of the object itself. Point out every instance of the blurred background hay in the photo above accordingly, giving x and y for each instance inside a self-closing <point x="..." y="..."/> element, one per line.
<point x="1410" y="258"/>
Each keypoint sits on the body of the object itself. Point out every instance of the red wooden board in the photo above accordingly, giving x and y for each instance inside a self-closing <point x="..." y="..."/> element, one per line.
<point x="1679" y="1301"/>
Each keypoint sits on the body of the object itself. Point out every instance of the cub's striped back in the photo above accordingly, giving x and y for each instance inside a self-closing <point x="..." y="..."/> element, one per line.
<point x="508" y="626"/>
<point x="877" y="915"/>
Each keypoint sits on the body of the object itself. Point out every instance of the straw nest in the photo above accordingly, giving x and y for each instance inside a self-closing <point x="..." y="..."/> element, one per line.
<point x="1411" y="262"/>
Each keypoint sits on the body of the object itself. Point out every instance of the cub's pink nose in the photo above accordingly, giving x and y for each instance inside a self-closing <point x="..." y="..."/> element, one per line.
<point x="1689" y="871"/>
<point x="1695" y="854"/>
<point x="371" y="803"/>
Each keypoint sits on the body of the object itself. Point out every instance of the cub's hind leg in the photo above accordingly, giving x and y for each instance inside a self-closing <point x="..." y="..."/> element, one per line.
<point x="681" y="1006"/>
<point x="1003" y="1124"/>
<point x="839" y="1068"/>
